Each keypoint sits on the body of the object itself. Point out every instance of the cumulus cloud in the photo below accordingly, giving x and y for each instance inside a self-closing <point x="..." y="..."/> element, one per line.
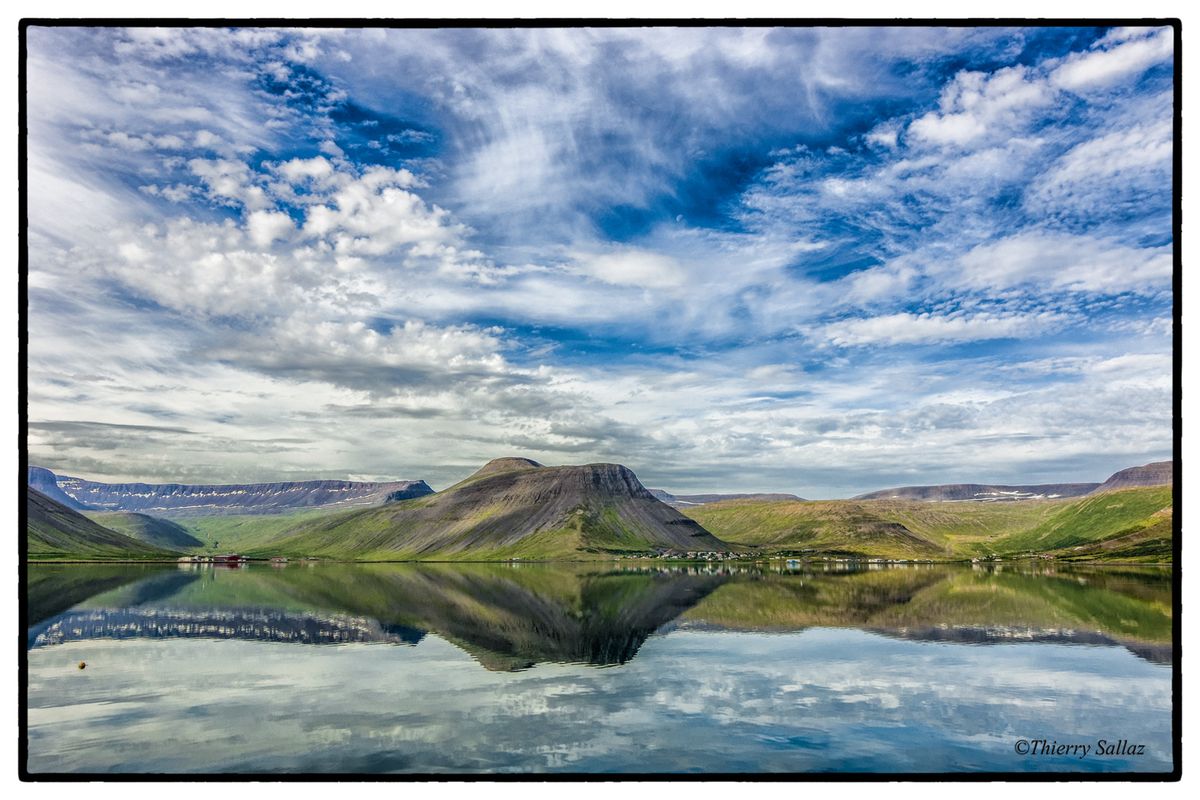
<point x="977" y="105"/>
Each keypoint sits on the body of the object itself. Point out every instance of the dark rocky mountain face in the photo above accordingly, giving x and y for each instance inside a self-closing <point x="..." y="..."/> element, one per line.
<point x="686" y="500"/>
<point x="183" y="500"/>
<point x="1158" y="473"/>
<point x="524" y="497"/>
<point x="990" y="493"/>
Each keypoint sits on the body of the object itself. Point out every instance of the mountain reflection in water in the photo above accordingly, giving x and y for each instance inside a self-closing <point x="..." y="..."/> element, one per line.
<point x="510" y="617"/>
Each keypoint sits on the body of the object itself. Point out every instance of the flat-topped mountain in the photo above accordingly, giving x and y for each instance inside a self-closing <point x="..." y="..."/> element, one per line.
<point x="686" y="500"/>
<point x="510" y="508"/>
<point x="989" y="493"/>
<point x="183" y="500"/>
<point x="46" y="482"/>
<point x="54" y="531"/>
<point x="1158" y="473"/>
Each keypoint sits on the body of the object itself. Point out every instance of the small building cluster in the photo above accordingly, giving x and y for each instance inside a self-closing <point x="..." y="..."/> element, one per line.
<point x="230" y="558"/>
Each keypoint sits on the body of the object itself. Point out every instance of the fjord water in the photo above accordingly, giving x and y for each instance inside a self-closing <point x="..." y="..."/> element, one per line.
<point x="596" y="668"/>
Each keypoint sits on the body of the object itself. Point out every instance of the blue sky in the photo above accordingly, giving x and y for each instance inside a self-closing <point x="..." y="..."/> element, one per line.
<point x="821" y="261"/>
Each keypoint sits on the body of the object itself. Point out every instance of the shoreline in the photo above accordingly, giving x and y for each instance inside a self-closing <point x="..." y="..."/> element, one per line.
<point x="863" y="562"/>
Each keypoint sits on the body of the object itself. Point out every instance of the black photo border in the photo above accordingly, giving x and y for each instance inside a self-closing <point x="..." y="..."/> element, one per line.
<point x="1175" y="774"/>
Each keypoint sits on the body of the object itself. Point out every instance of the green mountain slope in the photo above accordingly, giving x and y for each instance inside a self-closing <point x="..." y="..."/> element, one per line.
<point x="145" y="528"/>
<point x="241" y="532"/>
<point x="1125" y="517"/>
<point x="512" y="508"/>
<point x="835" y="527"/>
<point x="1128" y="524"/>
<point x="55" y="532"/>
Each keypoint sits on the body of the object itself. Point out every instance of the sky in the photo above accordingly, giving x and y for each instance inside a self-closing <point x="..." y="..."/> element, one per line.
<point x="812" y="260"/>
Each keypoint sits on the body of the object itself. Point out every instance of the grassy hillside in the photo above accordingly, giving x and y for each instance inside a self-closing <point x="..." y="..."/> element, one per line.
<point x="403" y="532"/>
<point x="833" y="527"/>
<point x="1136" y="521"/>
<point x="54" y="532"/>
<point x="241" y="532"/>
<point x="1131" y="524"/>
<point x="145" y="528"/>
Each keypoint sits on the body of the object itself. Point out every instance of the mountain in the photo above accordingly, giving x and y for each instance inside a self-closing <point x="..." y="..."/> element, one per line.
<point x="145" y="528"/>
<point x="1159" y="473"/>
<point x="183" y="500"/>
<point x="46" y="482"/>
<point x="831" y="527"/>
<point x="991" y="493"/>
<point x="510" y="508"/>
<point x="53" y="531"/>
<point x="685" y="500"/>
<point x="1127" y="525"/>
<point x="1135" y="523"/>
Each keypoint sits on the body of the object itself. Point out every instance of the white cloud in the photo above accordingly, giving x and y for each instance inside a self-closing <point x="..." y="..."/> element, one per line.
<point x="1116" y="172"/>
<point x="885" y="283"/>
<point x="377" y="213"/>
<point x="631" y="267"/>
<point x="230" y="182"/>
<point x="883" y="135"/>
<point x="1098" y="69"/>
<point x="977" y="105"/>
<point x="926" y="328"/>
<point x="316" y="170"/>
<point x="1050" y="261"/>
<point x="265" y="227"/>
<point x="1113" y="155"/>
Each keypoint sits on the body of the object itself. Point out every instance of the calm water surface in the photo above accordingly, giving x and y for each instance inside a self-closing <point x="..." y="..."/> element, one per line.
<point x="594" y="668"/>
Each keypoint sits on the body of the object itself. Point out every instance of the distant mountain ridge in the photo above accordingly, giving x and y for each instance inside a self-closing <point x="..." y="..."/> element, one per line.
<point x="953" y="492"/>
<point x="1158" y="473"/>
<point x="182" y="500"/>
<point x="685" y="500"/>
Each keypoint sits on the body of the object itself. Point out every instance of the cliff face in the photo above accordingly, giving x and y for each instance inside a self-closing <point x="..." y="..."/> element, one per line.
<point x="182" y="500"/>
<point x="514" y="507"/>
<point x="1158" y="473"/>
<point x="46" y="482"/>
<point x="981" y="492"/>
